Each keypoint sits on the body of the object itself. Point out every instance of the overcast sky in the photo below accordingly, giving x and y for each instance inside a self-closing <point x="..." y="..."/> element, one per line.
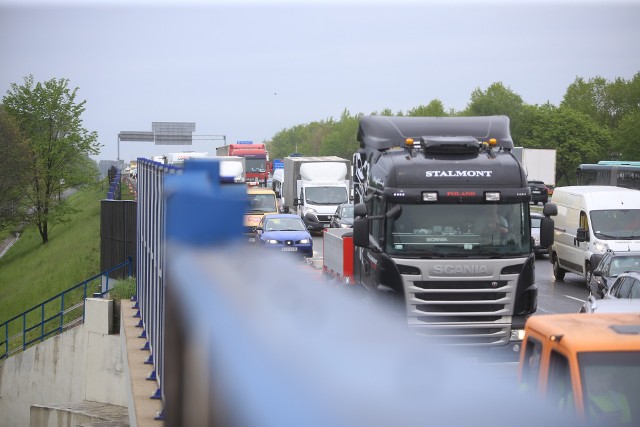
<point x="248" y="69"/>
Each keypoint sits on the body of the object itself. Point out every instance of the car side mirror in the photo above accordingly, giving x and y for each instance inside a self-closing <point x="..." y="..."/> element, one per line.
<point x="597" y="273"/>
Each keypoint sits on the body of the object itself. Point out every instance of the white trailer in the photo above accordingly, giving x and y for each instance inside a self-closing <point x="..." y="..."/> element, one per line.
<point x="539" y="164"/>
<point x="232" y="168"/>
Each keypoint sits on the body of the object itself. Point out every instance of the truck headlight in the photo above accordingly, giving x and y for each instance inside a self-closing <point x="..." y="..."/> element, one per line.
<point x="311" y="211"/>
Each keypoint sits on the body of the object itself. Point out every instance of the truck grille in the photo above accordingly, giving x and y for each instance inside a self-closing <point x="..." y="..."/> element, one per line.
<point x="324" y="218"/>
<point x="468" y="313"/>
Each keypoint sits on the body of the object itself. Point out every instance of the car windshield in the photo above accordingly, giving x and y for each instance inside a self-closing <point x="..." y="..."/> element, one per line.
<point x="616" y="224"/>
<point x="620" y="264"/>
<point x="347" y="212"/>
<point x="262" y="203"/>
<point x="460" y="231"/>
<point x="284" y="224"/>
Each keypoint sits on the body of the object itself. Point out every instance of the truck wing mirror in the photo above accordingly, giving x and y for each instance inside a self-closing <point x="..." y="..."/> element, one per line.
<point x="360" y="210"/>
<point x="361" y="232"/>
<point x="581" y="234"/>
<point x="550" y="209"/>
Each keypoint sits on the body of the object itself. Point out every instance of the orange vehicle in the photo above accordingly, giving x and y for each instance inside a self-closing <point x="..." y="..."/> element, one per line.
<point x="262" y="201"/>
<point x="587" y="364"/>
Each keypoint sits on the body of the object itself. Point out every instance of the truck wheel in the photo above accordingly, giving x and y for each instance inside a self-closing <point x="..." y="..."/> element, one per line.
<point x="558" y="272"/>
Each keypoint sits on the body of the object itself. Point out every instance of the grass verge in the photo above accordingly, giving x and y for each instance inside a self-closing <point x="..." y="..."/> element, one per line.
<point x="31" y="272"/>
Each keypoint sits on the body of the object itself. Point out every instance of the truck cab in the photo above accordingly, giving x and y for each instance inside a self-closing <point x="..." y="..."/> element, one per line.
<point x="586" y="364"/>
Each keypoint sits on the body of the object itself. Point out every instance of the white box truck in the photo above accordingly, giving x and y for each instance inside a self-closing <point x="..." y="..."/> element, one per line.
<point x="591" y="220"/>
<point x="313" y="187"/>
<point x="539" y="164"/>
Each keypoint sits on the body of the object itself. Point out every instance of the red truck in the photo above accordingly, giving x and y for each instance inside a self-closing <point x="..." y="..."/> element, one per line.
<point x="257" y="160"/>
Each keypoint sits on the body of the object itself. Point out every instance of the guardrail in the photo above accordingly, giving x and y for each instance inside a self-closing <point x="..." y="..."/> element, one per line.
<point x="55" y="315"/>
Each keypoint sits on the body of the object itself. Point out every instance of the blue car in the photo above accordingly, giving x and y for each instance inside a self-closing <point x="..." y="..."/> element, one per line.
<point x="285" y="232"/>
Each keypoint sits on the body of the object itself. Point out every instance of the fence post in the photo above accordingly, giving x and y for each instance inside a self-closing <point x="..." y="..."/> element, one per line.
<point x="200" y="212"/>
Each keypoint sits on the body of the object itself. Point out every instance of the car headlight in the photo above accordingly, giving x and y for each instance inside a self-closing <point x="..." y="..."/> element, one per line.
<point x="305" y="241"/>
<point x="272" y="241"/>
<point x="600" y="246"/>
<point x="344" y="225"/>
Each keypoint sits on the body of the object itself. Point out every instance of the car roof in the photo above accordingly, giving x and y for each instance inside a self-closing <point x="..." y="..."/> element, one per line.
<point x="624" y="253"/>
<point x="280" y="216"/>
<point x="624" y="305"/>
<point x="590" y="331"/>
<point x="259" y="190"/>
<point x="634" y="274"/>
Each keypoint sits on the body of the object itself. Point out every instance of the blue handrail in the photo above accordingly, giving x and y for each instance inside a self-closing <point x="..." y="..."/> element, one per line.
<point x="25" y="326"/>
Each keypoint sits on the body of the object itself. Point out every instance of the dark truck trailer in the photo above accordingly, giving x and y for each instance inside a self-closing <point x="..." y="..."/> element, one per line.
<point x="442" y="224"/>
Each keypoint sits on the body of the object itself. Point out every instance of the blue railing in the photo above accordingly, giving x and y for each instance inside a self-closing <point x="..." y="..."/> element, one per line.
<point x="55" y="315"/>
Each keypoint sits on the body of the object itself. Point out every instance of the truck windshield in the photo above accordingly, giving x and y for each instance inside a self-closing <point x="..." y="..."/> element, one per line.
<point x="616" y="224"/>
<point x="326" y="195"/>
<point x="256" y="165"/>
<point x="460" y="231"/>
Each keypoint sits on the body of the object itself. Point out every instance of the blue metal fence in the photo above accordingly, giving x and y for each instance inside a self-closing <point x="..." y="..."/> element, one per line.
<point x="54" y="315"/>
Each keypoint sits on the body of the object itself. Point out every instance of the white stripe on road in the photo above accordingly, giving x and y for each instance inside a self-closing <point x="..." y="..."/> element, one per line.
<point x="574" y="298"/>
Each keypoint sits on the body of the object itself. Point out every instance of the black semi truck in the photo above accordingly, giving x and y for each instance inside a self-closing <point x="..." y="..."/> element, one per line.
<point x="442" y="224"/>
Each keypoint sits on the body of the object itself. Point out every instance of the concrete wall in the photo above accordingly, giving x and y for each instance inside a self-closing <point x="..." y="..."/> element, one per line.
<point x="84" y="363"/>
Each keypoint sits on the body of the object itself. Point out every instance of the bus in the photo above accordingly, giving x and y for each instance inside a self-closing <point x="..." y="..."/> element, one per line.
<point x="609" y="172"/>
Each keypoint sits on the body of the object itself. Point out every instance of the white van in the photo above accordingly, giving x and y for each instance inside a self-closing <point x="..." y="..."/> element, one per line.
<point x="590" y="220"/>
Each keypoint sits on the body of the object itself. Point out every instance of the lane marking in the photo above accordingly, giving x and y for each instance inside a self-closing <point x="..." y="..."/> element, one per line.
<point x="574" y="298"/>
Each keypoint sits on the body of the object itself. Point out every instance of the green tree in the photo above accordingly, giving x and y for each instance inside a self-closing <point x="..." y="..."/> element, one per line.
<point x="575" y="137"/>
<point x="626" y="138"/>
<point x="14" y="159"/>
<point x="435" y="108"/>
<point x="342" y="140"/>
<point x="605" y="102"/>
<point x="496" y="100"/>
<point x="49" y="116"/>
